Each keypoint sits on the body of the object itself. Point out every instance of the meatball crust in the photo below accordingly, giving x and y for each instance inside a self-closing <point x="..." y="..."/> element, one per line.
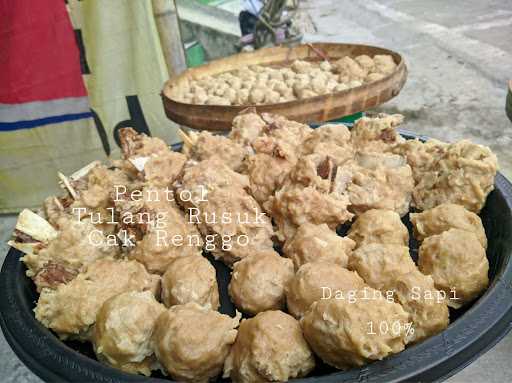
<point x="447" y="216"/>
<point x="192" y="342"/>
<point x="190" y="279"/>
<point x="339" y="331"/>
<point x="269" y="347"/>
<point x="379" y="226"/>
<point x="318" y="243"/>
<point x="258" y="282"/>
<point x="123" y="329"/>
<point x="317" y="280"/>
<point x="457" y="262"/>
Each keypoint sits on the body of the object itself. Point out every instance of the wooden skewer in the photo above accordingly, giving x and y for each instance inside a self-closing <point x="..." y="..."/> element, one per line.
<point x="67" y="185"/>
<point x="320" y="54"/>
<point x="189" y="142"/>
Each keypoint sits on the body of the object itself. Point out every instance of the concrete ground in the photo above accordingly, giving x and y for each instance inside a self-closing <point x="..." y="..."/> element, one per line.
<point x="459" y="55"/>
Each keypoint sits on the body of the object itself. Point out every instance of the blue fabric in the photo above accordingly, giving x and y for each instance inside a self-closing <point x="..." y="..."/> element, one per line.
<point x="17" y="125"/>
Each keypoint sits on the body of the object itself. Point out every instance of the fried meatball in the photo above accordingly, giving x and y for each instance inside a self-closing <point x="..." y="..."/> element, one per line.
<point x="377" y="134"/>
<point x="445" y="217"/>
<point x="464" y="175"/>
<point x="332" y="141"/>
<point x="123" y="329"/>
<point x="379" y="264"/>
<point x="192" y="342"/>
<point x="390" y="269"/>
<point x="457" y="262"/>
<point x="246" y="127"/>
<point x="425" y="304"/>
<point x="313" y="243"/>
<point x="246" y="228"/>
<point x="379" y="226"/>
<point x="134" y="144"/>
<point x="294" y="206"/>
<point x="266" y="174"/>
<point x="380" y="181"/>
<point x="335" y="133"/>
<point x="269" y="167"/>
<point x="420" y="156"/>
<point x="207" y="146"/>
<point x="77" y="245"/>
<point x="172" y="237"/>
<point x="347" y="334"/>
<point x="164" y="169"/>
<point x="70" y="309"/>
<point x="318" y="280"/>
<point x="315" y="192"/>
<point x="269" y="347"/>
<point x="190" y="279"/>
<point x="258" y="282"/>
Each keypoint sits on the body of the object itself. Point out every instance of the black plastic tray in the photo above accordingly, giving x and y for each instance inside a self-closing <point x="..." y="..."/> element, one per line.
<point x="473" y="330"/>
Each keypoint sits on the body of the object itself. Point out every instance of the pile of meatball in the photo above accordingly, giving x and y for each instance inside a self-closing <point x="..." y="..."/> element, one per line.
<point x="154" y="306"/>
<point x="257" y="84"/>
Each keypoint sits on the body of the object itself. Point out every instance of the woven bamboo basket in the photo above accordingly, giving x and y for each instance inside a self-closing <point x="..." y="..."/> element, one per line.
<point x="311" y="110"/>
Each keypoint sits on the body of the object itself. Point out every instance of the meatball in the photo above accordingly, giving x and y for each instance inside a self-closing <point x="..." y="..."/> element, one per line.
<point x="384" y="64"/>
<point x="173" y="236"/>
<point x="380" y="264"/>
<point x="313" y="243"/>
<point x="425" y="304"/>
<point x="390" y="269"/>
<point x="123" y="329"/>
<point x="464" y="175"/>
<point x="377" y="134"/>
<point x="421" y="156"/>
<point x="337" y="134"/>
<point x="294" y="206"/>
<point x="258" y="282"/>
<point x="207" y="145"/>
<point x="301" y="66"/>
<point x="230" y="219"/>
<point x="380" y="181"/>
<point x="164" y="169"/>
<point x="70" y="309"/>
<point x="379" y="226"/>
<point x="445" y="217"/>
<point x="192" y="342"/>
<point x="345" y="333"/>
<point x="269" y="347"/>
<point x="190" y="279"/>
<point x="374" y="77"/>
<point x="457" y="262"/>
<point x="365" y="61"/>
<point x="246" y="127"/>
<point x="266" y="173"/>
<point x="319" y="280"/>
<point x="347" y="67"/>
<point x="64" y="256"/>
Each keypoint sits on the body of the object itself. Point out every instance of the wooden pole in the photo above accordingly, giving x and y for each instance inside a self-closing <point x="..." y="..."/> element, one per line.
<point x="167" y="23"/>
<point x="508" y="105"/>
